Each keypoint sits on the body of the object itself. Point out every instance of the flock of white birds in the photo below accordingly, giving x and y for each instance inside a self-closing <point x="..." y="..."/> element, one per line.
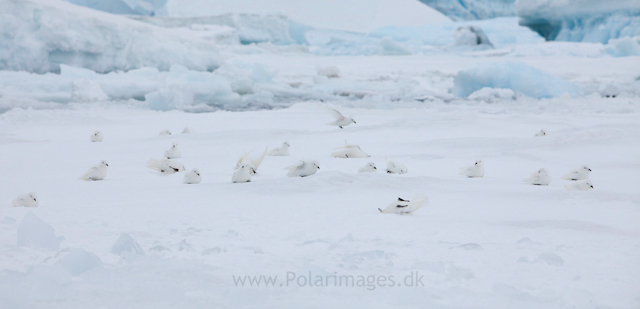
<point x="248" y="166"/>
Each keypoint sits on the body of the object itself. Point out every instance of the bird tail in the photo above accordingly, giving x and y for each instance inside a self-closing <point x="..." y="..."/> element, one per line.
<point x="566" y="177"/>
<point x="462" y="171"/>
<point x="86" y="175"/>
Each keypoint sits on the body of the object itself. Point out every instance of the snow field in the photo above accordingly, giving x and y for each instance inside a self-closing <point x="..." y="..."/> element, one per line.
<point x="480" y="242"/>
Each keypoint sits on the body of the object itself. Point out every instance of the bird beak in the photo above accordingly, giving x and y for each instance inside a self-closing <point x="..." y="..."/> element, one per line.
<point x="591" y="187"/>
<point x="375" y="168"/>
<point x="107" y="164"/>
<point x="35" y="200"/>
<point x="589" y="170"/>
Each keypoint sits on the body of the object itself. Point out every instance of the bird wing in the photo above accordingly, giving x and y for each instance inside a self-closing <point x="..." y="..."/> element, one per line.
<point x="569" y="175"/>
<point x="256" y="163"/>
<point x="347" y="145"/>
<point x="175" y="165"/>
<point x="242" y="158"/>
<point x="334" y="112"/>
<point x="292" y="167"/>
<point x="88" y="173"/>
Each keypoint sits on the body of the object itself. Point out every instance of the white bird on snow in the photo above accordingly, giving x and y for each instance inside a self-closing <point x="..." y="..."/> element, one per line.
<point x="192" y="177"/>
<point x="96" y="136"/>
<point x="173" y="152"/>
<point x="252" y="163"/>
<point x="281" y="151"/>
<point x="370" y="167"/>
<point x="395" y="167"/>
<point x="542" y="132"/>
<point x="27" y="200"/>
<point x="165" y="132"/>
<point x="349" y="151"/>
<point x="580" y="185"/>
<point x="401" y="206"/>
<point x="581" y="173"/>
<point x="540" y="177"/>
<point x="165" y="166"/>
<point x="475" y="170"/>
<point x="303" y="168"/>
<point x="242" y="174"/>
<point x="187" y="130"/>
<point x="341" y="121"/>
<point x="98" y="172"/>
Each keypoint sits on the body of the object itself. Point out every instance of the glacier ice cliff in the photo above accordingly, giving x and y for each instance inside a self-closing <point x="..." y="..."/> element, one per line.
<point x="581" y="20"/>
<point x="473" y="9"/>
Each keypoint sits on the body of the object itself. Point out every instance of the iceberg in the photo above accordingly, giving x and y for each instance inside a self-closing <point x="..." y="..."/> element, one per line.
<point x="248" y="28"/>
<point x="581" y="20"/>
<point x="473" y="9"/>
<point x="347" y="15"/>
<point x="517" y="76"/>
<point x="129" y="7"/>
<point x="501" y="32"/>
<point x="40" y="35"/>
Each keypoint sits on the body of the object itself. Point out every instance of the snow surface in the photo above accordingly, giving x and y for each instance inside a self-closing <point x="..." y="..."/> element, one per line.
<point x="502" y="242"/>
<point x="143" y="239"/>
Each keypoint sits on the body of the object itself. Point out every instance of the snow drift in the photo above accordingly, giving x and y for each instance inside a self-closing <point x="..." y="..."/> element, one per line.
<point x="35" y="233"/>
<point x="39" y="35"/>
<point x="516" y="76"/>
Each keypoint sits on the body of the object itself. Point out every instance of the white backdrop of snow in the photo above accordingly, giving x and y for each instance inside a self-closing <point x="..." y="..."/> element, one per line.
<point x="502" y="242"/>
